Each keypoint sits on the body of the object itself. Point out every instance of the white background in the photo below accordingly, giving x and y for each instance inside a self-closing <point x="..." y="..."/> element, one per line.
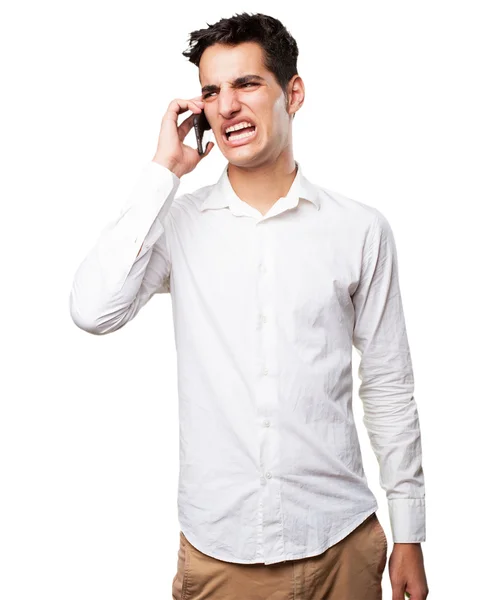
<point x="88" y="424"/>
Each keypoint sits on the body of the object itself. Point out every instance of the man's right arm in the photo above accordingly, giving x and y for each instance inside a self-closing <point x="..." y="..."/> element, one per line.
<point x="130" y="261"/>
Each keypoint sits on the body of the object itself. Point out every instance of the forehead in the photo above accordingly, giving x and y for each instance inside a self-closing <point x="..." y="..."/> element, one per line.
<point x="221" y="62"/>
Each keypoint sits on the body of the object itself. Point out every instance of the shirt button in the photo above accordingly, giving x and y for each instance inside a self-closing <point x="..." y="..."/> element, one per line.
<point x="268" y="475"/>
<point x="263" y="318"/>
<point x="266" y="423"/>
<point x="262" y="268"/>
<point x="265" y="371"/>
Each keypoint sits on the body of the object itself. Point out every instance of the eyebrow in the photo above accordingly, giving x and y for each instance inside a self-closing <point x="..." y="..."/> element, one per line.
<point x="237" y="81"/>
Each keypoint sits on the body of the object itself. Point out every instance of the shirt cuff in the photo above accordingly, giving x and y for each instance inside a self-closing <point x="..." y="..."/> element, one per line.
<point x="408" y="519"/>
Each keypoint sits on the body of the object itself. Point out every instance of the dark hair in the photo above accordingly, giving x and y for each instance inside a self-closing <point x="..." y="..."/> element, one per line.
<point x="280" y="50"/>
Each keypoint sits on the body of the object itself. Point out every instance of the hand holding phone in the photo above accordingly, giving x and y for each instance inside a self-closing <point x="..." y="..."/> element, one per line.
<point x="171" y="152"/>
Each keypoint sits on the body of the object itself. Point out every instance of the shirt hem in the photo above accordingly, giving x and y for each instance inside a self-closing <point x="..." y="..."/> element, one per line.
<point x="345" y="531"/>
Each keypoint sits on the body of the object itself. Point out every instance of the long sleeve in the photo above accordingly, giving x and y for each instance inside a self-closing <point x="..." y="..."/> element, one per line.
<point x="115" y="280"/>
<point x="387" y="384"/>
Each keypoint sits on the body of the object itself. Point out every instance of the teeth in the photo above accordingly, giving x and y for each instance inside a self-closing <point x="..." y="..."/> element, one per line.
<point x="241" y="125"/>
<point x="238" y="136"/>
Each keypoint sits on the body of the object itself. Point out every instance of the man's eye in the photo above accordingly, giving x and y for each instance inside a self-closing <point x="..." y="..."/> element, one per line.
<point x="242" y="85"/>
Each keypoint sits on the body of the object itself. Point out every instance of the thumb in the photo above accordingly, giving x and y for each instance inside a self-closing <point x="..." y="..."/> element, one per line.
<point x="209" y="147"/>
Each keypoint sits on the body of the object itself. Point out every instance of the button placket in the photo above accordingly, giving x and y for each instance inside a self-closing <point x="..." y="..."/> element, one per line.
<point x="267" y="392"/>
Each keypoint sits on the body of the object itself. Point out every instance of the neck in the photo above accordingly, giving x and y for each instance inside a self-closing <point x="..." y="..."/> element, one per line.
<point x="262" y="186"/>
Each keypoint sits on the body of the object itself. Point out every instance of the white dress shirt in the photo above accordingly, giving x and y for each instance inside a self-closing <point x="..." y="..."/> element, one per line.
<point x="266" y="311"/>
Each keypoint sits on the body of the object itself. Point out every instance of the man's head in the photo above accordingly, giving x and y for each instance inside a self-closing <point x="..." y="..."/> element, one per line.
<point x="234" y="48"/>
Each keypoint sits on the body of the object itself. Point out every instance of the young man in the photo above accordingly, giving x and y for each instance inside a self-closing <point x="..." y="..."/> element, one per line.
<point x="273" y="280"/>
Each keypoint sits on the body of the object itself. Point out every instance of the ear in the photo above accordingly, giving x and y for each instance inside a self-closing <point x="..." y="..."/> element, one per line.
<point x="296" y="94"/>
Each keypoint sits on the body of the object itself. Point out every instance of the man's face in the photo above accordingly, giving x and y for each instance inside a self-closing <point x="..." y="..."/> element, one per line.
<point x="258" y="101"/>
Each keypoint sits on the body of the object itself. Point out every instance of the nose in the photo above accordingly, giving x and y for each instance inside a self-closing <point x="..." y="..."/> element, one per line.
<point x="228" y="104"/>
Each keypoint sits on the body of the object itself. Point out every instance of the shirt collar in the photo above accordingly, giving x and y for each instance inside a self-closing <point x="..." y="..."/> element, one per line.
<point x="223" y="195"/>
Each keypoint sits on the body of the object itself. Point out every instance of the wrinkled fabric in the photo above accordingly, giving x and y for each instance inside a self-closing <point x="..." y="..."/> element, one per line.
<point x="266" y="311"/>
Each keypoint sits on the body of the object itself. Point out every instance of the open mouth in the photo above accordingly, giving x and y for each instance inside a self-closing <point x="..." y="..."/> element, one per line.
<point x="241" y="136"/>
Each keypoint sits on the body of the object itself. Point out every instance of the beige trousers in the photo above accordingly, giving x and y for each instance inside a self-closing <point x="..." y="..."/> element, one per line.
<point x="352" y="569"/>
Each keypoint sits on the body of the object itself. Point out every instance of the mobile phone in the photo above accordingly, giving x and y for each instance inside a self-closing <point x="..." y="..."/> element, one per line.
<point x="200" y="123"/>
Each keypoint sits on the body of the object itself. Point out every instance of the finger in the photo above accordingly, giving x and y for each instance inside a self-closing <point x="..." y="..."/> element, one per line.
<point x="209" y="147"/>
<point x="185" y="127"/>
<point x="186" y="104"/>
<point x="199" y="102"/>
<point x="398" y="593"/>
<point x="179" y="106"/>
